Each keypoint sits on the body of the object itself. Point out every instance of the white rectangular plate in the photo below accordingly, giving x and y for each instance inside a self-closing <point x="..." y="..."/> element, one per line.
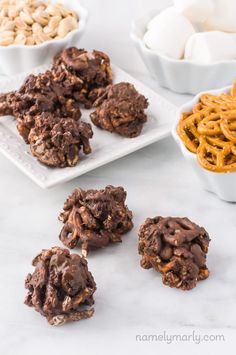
<point x="106" y="147"/>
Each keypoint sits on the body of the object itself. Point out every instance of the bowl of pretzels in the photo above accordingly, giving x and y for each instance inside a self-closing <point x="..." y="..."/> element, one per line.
<point x="206" y="134"/>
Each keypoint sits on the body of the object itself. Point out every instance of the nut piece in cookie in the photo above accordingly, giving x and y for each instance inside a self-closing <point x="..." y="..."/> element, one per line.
<point x="61" y="288"/>
<point x="5" y="109"/>
<point x="94" y="218"/>
<point x="177" y="248"/>
<point x="120" y="109"/>
<point x="91" y="68"/>
<point x="57" y="141"/>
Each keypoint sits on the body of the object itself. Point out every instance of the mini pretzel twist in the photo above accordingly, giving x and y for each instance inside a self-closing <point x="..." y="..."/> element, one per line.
<point x="228" y="125"/>
<point x="216" y="155"/>
<point x="210" y="125"/>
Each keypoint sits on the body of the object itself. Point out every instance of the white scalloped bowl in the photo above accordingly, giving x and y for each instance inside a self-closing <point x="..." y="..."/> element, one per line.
<point x="15" y="59"/>
<point x="181" y="76"/>
<point x="222" y="184"/>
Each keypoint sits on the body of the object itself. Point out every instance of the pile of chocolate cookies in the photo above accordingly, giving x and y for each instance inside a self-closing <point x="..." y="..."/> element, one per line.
<point x="47" y="107"/>
<point x="61" y="287"/>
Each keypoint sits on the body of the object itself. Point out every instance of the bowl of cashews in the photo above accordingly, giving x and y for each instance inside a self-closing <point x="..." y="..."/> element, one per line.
<point x="32" y="32"/>
<point x="206" y="134"/>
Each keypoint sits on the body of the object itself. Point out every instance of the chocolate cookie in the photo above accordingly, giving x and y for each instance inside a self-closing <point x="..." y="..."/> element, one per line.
<point x="61" y="288"/>
<point x="57" y="141"/>
<point x="48" y="118"/>
<point x="177" y="248"/>
<point x="120" y="109"/>
<point x="91" y="68"/>
<point x="94" y="218"/>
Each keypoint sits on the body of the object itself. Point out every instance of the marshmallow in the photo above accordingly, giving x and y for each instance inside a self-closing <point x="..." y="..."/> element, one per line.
<point x="223" y="17"/>
<point x="196" y="11"/>
<point x="168" y="33"/>
<point x="209" y="47"/>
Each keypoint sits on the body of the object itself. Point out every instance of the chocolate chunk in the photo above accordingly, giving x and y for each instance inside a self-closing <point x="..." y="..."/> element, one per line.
<point x="93" y="218"/>
<point x="177" y="248"/>
<point x="92" y="68"/>
<point x="120" y="109"/>
<point x="61" y="288"/>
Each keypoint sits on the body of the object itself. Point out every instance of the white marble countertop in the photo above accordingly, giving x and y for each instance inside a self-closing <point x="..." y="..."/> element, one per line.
<point x="130" y="301"/>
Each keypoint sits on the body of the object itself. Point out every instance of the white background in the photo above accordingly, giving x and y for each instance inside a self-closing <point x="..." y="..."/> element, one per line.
<point x="129" y="300"/>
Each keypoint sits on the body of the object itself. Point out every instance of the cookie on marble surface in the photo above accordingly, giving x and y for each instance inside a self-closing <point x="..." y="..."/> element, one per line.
<point x="177" y="248"/>
<point x="95" y="218"/>
<point x="61" y="287"/>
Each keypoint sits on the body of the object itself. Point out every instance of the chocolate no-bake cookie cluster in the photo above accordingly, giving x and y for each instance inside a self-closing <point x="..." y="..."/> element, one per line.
<point x="94" y="218"/>
<point x="57" y="141"/>
<point x="92" y="69"/>
<point x="61" y="288"/>
<point x="120" y="109"/>
<point x="177" y="248"/>
<point x="48" y="119"/>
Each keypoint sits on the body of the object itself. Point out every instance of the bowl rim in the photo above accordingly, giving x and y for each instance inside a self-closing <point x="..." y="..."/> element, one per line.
<point x="136" y="38"/>
<point x="81" y="11"/>
<point x="186" y="107"/>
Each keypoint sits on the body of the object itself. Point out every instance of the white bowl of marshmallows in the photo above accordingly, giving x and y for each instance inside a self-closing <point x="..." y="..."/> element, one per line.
<point x="32" y="32"/>
<point x="190" y="46"/>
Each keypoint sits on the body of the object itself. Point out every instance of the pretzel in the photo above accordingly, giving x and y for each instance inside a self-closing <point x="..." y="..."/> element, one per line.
<point x="216" y="155"/>
<point x="209" y="131"/>
<point x="228" y="125"/>
<point x="198" y="107"/>
<point x="224" y="101"/>
<point x="188" y="127"/>
<point x="210" y="125"/>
